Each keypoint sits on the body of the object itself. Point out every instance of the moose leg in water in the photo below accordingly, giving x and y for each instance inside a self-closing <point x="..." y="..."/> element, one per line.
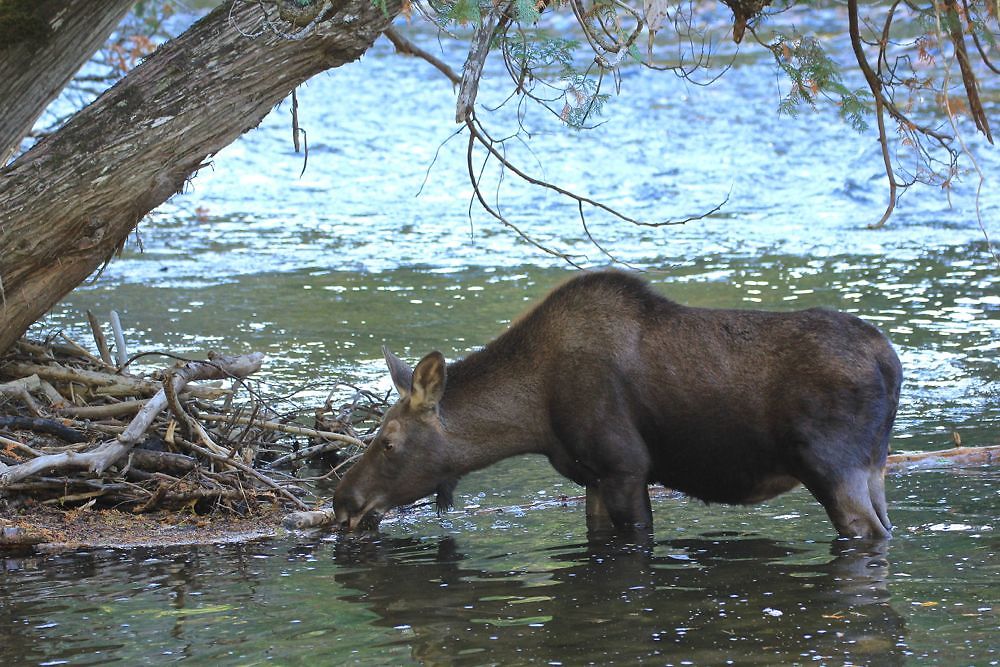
<point x="620" y="387"/>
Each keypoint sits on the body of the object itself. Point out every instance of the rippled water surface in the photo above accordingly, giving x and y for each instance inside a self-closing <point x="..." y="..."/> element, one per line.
<point x="320" y="271"/>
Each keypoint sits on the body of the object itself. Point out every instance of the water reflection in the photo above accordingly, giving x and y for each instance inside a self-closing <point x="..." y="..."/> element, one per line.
<point x="712" y="600"/>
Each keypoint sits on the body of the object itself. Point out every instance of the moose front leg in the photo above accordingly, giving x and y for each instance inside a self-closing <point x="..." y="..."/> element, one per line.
<point x="624" y="500"/>
<point x="598" y="519"/>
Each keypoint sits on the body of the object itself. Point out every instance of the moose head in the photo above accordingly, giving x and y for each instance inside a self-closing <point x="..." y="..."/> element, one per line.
<point x="410" y="456"/>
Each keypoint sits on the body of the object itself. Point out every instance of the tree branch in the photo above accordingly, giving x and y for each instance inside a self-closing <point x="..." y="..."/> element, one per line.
<point x="408" y="48"/>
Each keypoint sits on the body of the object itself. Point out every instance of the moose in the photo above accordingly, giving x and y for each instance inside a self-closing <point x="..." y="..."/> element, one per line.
<point x="621" y="388"/>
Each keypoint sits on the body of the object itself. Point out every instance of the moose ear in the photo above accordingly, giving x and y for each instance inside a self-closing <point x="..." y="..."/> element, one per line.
<point x="399" y="371"/>
<point x="428" y="381"/>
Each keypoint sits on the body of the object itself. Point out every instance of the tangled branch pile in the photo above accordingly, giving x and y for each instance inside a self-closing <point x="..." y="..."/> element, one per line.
<point x="77" y="429"/>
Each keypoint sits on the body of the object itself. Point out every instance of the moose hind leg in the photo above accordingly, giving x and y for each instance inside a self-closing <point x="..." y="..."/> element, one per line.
<point x="856" y="508"/>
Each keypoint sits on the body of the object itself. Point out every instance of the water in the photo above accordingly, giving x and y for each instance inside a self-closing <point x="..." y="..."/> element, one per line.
<point x="319" y="272"/>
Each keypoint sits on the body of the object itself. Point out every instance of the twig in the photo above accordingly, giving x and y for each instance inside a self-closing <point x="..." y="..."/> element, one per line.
<point x="305" y="453"/>
<point x="16" y="444"/>
<point x="82" y="351"/>
<point x="74" y="497"/>
<point x="408" y="48"/>
<point x="267" y="481"/>
<point x="285" y="428"/>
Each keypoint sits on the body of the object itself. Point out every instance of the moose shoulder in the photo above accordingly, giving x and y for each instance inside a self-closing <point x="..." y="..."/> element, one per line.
<point x="620" y="387"/>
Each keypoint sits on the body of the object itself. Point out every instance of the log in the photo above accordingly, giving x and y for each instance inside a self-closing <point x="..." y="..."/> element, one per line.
<point x="307" y="520"/>
<point x="956" y="456"/>
<point x="15" y="537"/>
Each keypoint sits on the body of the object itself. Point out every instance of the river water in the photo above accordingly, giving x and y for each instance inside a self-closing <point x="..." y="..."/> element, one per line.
<point x="319" y="271"/>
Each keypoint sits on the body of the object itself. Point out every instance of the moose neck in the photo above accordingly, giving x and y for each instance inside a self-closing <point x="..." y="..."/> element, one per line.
<point x="492" y="409"/>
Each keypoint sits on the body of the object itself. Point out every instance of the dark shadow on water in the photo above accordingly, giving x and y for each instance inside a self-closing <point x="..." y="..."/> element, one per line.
<point x="710" y="600"/>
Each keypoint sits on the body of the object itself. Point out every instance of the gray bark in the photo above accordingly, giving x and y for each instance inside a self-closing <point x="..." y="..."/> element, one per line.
<point x="36" y="65"/>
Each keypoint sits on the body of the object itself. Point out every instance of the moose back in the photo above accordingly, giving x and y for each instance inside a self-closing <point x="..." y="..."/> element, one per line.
<point x="620" y="388"/>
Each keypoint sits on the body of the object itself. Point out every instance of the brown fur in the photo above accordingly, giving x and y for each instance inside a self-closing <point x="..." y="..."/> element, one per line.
<point x="621" y="387"/>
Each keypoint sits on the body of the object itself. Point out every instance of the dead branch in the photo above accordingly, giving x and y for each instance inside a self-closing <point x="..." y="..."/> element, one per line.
<point x="98" y="460"/>
<point x="100" y="340"/>
<point x="121" y="354"/>
<point x="103" y="383"/>
<point x="310" y="519"/>
<point x="15" y="537"/>
<point x="21" y="389"/>
<point x="161" y="461"/>
<point x="102" y="411"/>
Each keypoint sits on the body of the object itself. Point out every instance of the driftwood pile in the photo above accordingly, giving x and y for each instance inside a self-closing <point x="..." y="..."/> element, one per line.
<point x="80" y="429"/>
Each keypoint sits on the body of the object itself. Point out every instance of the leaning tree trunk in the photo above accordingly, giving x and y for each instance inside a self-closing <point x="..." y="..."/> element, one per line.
<point x="44" y="45"/>
<point x="70" y="202"/>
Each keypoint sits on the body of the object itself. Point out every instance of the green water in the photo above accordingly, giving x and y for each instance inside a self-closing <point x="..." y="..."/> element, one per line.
<point x="719" y="585"/>
<point x="319" y="272"/>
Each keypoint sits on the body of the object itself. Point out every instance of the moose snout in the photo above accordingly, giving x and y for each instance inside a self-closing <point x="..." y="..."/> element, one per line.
<point x="347" y="506"/>
<point x="353" y="510"/>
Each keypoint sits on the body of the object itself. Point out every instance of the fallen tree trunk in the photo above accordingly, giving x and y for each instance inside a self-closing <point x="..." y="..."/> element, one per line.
<point x="68" y="204"/>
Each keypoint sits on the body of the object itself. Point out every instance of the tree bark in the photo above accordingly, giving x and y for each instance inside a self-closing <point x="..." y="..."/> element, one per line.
<point x="36" y="64"/>
<point x="68" y="204"/>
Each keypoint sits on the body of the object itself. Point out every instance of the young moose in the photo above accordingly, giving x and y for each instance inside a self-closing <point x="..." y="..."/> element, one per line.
<point x="620" y="387"/>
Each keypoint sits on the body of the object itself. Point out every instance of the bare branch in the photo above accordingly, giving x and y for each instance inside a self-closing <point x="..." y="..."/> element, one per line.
<point x="408" y="48"/>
